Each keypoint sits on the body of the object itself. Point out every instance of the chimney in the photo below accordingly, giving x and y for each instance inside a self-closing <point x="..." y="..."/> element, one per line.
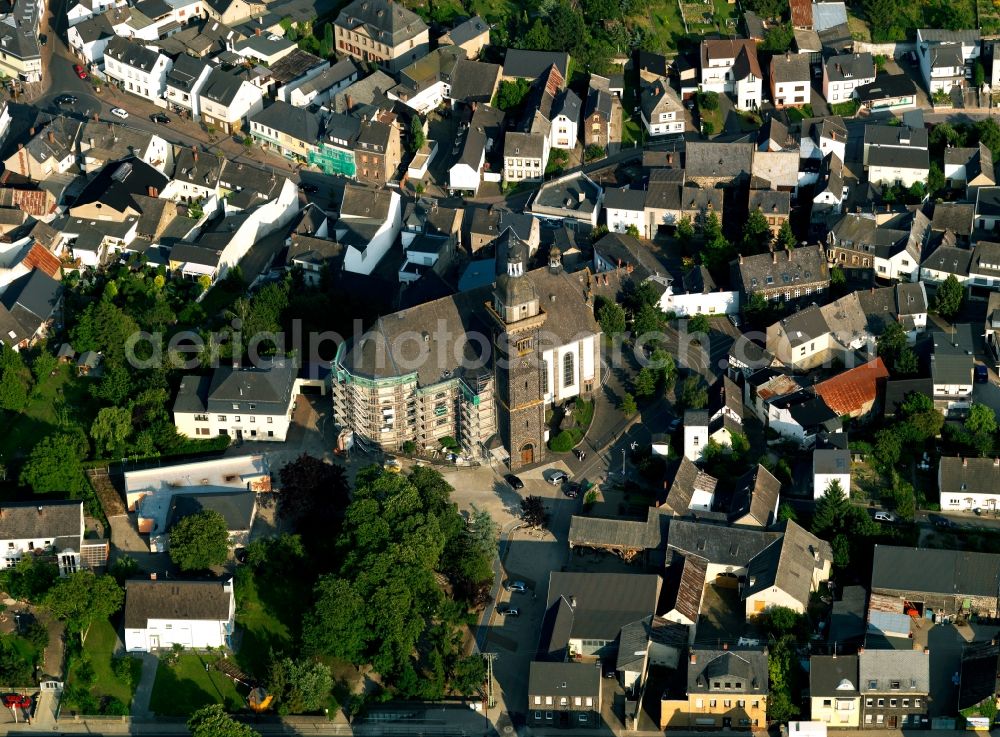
<point x="725" y="646"/>
<point x="257" y="31"/>
<point x="670" y="158"/>
<point x="349" y="101"/>
<point x="996" y="463"/>
<point x="32" y="132"/>
<point x="927" y="651"/>
<point x="153" y="192"/>
<point x="572" y="601"/>
<point x="774" y="257"/>
<point x="789" y="252"/>
<point x="694" y="659"/>
<point x="52" y="137"/>
<point x="860" y="650"/>
<point x="39" y="510"/>
<point x="741" y="259"/>
<point x="152" y="576"/>
<point x="965" y="463"/>
<point x="194" y="153"/>
<point x="96" y="118"/>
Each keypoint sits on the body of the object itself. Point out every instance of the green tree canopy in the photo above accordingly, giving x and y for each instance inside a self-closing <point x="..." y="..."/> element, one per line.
<point x="110" y="430"/>
<point x="417" y="136"/>
<point x="949" y="297"/>
<point x="611" y="317"/>
<point x="213" y="721"/>
<point x="694" y="392"/>
<point x="756" y="234"/>
<point x="81" y="598"/>
<point x="684" y="231"/>
<point x="299" y="686"/>
<point x="54" y="465"/>
<point x="200" y="541"/>
<point x="313" y="496"/>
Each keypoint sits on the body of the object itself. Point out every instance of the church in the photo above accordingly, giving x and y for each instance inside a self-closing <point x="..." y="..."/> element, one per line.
<point x="479" y="368"/>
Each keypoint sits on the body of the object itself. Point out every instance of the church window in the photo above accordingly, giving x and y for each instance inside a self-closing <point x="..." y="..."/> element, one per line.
<point x="545" y="377"/>
<point x="568" y="372"/>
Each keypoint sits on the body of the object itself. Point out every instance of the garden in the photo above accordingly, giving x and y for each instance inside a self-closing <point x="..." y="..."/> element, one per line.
<point x="568" y="425"/>
<point x="98" y="681"/>
<point x="187" y="681"/>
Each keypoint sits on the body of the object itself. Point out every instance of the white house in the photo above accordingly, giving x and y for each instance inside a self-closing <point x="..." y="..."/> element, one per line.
<point x="525" y="155"/>
<point x="951" y="378"/>
<point x="731" y="66"/>
<point x="625" y="207"/>
<point x="370" y="220"/>
<point x="82" y="10"/>
<point x="139" y="70"/>
<point x="184" y="83"/>
<point x="969" y="483"/>
<point x="844" y="73"/>
<point x="321" y="89"/>
<point x="945" y="55"/>
<point x="565" y="122"/>
<point x="984" y="268"/>
<point x="695" y="442"/>
<point x="53" y="529"/>
<point x="821" y="137"/>
<point x="661" y="109"/>
<point x="896" y="154"/>
<point x="697" y="294"/>
<point x="484" y="134"/>
<point x="194" y="614"/>
<point x="829" y="465"/>
<point x="228" y="98"/>
<point x="88" y="38"/>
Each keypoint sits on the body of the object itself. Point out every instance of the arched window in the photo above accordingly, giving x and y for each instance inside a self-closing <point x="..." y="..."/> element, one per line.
<point x="545" y="377"/>
<point x="569" y="378"/>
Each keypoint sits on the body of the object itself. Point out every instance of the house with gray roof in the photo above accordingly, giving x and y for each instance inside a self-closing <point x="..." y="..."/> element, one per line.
<point x="228" y="98"/>
<point x="160" y="613"/>
<point x="137" y="69"/>
<point x="844" y="73"/>
<point x="790" y="80"/>
<point x="787" y="571"/>
<point x="661" y="108"/>
<point x="945" y="261"/>
<point x="602" y="115"/>
<point x="725" y="688"/>
<point x="711" y="164"/>
<point x="572" y="197"/>
<point x="969" y="168"/>
<point x="290" y="131"/>
<point x="530" y="65"/>
<point x="895" y="687"/>
<point x="888" y="92"/>
<point x="892" y="249"/>
<point x="833" y="690"/>
<point x="321" y="88"/>
<point x="564" y="695"/>
<point x="786" y="276"/>
<point x="969" y="483"/>
<point x="471" y="35"/>
<point x="525" y="156"/>
<point x="52" y="530"/>
<point x="28" y="307"/>
<point x="238" y="510"/>
<point x="944" y="56"/>
<point x="252" y="403"/>
<point x="184" y="82"/>
<point x="381" y="31"/>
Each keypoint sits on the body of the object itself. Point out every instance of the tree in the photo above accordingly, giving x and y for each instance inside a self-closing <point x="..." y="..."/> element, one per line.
<point x="648" y="320"/>
<point x="694" y="392"/>
<point x="988" y="132"/>
<point x="629" y="407"/>
<point x="907" y="364"/>
<point x="313" y="496"/>
<point x="663" y="363"/>
<point x="81" y="598"/>
<point x="949" y="297"/>
<point x="708" y="101"/>
<point x="469" y="676"/>
<point x="935" y="179"/>
<point x="782" y="666"/>
<point x="417" y="136"/>
<point x="200" y="541"/>
<point x="645" y="382"/>
<point x="831" y="509"/>
<point x="611" y="317"/>
<point x="533" y="511"/>
<point x="684" y="231"/>
<point x="883" y="18"/>
<point x="566" y="29"/>
<point x="786" y="238"/>
<point x="43" y="366"/>
<point x="30" y="580"/>
<point x="299" y="686"/>
<point x="14" y="382"/>
<point x="981" y="420"/>
<point x="756" y="234"/>
<point x="978" y="75"/>
<point x="837" y="277"/>
<point x="699" y="324"/>
<point x="888" y="447"/>
<point x="110" y="430"/>
<point x="778" y="39"/>
<point x="787" y="512"/>
<point x="54" y="465"/>
<point x="336" y="625"/>
<point x="511" y="93"/>
<point x="632" y="230"/>
<point x="778" y="621"/>
<point x="891" y="343"/>
<point x="213" y="721"/>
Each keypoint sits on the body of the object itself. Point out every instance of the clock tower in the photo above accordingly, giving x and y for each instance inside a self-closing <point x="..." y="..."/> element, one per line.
<point x="517" y="363"/>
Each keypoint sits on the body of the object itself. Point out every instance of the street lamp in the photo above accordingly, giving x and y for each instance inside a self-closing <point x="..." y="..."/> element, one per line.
<point x="623" y="464"/>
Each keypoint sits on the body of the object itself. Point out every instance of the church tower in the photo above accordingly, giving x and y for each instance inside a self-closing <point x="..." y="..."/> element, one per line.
<point x="517" y="364"/>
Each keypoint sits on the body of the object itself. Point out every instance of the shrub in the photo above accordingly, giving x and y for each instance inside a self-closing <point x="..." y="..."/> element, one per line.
<point x="562" y="443"/>
<point x="409" y="447"/>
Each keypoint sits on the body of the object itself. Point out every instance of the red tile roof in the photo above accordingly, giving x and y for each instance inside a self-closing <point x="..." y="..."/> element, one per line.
<point x="40" y="258"/>
<point x="853" y="392"/>
<point x="802" y="13"/>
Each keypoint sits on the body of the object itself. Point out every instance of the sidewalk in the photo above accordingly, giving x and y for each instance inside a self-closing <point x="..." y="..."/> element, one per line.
<point x="144" y="690"/>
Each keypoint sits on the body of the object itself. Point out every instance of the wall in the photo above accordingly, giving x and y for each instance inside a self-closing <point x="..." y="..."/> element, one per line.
<point x="826" y="709"/>
<point x="893" y="49"/>
<point x="213" y="425"/>
<point x="713" y="303"/>
<point x="822" y="480"/>
<point x="189" y="633"/>
<point x="772" y="597"/>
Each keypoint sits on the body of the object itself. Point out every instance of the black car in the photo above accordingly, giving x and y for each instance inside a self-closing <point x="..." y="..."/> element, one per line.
<point x="938" y="521"/>
<point x="66" y="100"/>
<point x="673" y="425"/>
<point x="42" y="39"/>
<point x="159" y="118"/>
<point x="310" y="188"/>
<point x="572" y="490"/>
<point x="515" y="483"/>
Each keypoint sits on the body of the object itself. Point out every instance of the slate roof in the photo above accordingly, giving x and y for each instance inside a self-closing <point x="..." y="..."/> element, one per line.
<point x="331" y="77"/>
<point x="689" y="478"/>
<point x="790" y="68"/>
<point x="533" y="64"/>
<point x="770" y="202"/>
<point x="237" y="508"/>
<point x="899" y="158"/>
<point x="850" y="391"/>
<point x="831" y="127"/>
<point x="936" y="35"/>
<point x="41" y="520"/>
<point x="527" y="145"/>
<point x="132" y="54"/>
<point x="878" y="669"/>
<point x="897" y="391"/>
<point x="742" y="50"/>
<point x="712" y="159"/>
<point x="474" y="81"/>
<point x="732" y="546"/>
<point x="949" y="259"/>
<point x="886" y="86"/>
<point x="850" y="66"/>
<point x="385" y="21"/>
<point x="363" y="92"/>
<point x="172" y="600"/>
<point x="185" y="72"/>
<point x="296" y="122"/>
<point x="979" y="680"/>
<point x="26" y="303"/>
<point x="683" y="585"/>
<point x="756" y="495"/>
<point x="624" y="198"/>
<point x="968" y="475"/>
<point x="222" y="86"/>
<point x="565" y="679"/>
<point x="622" y="534"/>
<point x="978" y="161"/>
<point x="958" y="217"/>
<point x="833" y="676"/>
<point x="988" y="201"/>
<point x="831" y="460"/>
<point x="935" y="571"/>
<point x="788" y="563"/>
<point x="748" y="667"/>
<point x="603" y="603"/>
<point x="468" y="30"/>
<point x="803" y="266"/>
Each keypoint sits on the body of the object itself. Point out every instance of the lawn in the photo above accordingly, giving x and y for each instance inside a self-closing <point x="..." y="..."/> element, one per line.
<point x="99" y="648"/>
<point x="62" y="393"/>
<point x="662" y="20"/>
<point x="268" y="616"/>
<point x="186" y="687"/>
<point x="796" y="115"/>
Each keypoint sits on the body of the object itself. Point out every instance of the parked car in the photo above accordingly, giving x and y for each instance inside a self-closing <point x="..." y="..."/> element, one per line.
<point x="515" y="483"/>
<point x="508" y="611"/>
<point x="572" y="490"/>
<point x="66" y="100"/>
<point x="120" y="112"/>
<point x="736" y="320"/>
<point x="159" y="118"/>
<point x="12" y="700"/>
<point x="982" y="374"/>
<point x="516" y="587"/>
<point x="79" y="71"/>
<point x="310" y="188"/>
<point x="558" y="477"/>
<point x="884" y="516"/>
<point x="938" y="521"/>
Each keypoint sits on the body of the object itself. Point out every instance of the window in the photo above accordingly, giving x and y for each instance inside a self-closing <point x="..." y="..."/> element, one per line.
<point x="894" y="685"/>
<point x="545" y="377"/>
<point x="270" y="420"/>
<point x="538" y="700"/>
<point x="589" y="701"/>
<point x="827" y="702"/>
<point x="548" y="714"/>
<point x="712" y="703"/>
<point x="563" y="701"/>
<point x="880" y="719"/>
<point x="222" y="418"/>
<point x="868" y="718"/>
<point x="538" y="714"/>
<point x="881" y="703"/>
<point x="869" y="701"/>
<point x="741" y="703"/>
<point x="916" y="703"/>
<point x="906" y="703"/>
<point x="904" y="719"/>
<point x="548" y="701"/>
<point x="756" y="704"/>
<point x="236" y="419"/>
<point x="699" y="703"/>
<point x="577" y="701"/>
<point x="892" y="703"/>
<point x="728" y="704"/>
<point x="252" y="418"/>
<point x="236" y="406"/>
<point x="568" y="372"/>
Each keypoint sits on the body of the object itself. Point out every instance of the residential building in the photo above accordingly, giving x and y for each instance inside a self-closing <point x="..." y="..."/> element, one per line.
<point x="81" y="10"/>
<point x="530" y="65"/>
<point x="987" y="208"/>
<point x="573" y="198"/>
<point x="844" y="73"/>
<point x="471" y="35"/>
<point x="777" y="170"/>
<point x="668" y="200"/>
<point x="944" y="56"/>
<point x="184" y="83"/>
<point x="238" y="510"/>
<point x="602" y="116"/>
<point x="895" y="686"/>
<point x="369" y="222"/>
<point x="564" y="695"/>
<point x="88" y="39"/>
<point x="698" y="294"/>
<point x="320" y="89"/>
<point x="726" y="689"/>
<point x="712" y="164"/>
<point x="52" y="531"/>
<point x="148" y="492"/>
<point x="969" y="169"/>
<point x="661" y="109"/>
<point x="984" y="267"/>
<point x="968" y="484"/>
<point x="233" y="12"/>
<point x="137" y="69"/>
<point x="50" y="151"/>
<point x="776" y="207"/>
<point x="525" y="156"/>
<point x="731" y="66"/>
<point x="192" y="614"/>
<point x="787" y="571"/>
<point x="100" y="146"/>
<point x="854" y="393"/>
<point x="21" y="56"/>
<point x="290" y="131"/>
<point x="228" y="98"/>
<point x="834" y="697"/>
<point x="790" y="80"/>
<point x="858" y="244"/>
<point x="296" y="69"/>
<point x="791" y="275"/>
<point x="821" y="137"/>
<point x="829" y="465"/>
<point x="625" y="207"/>
<point x="896" y="154"/>
<point x="829" y="191"/>
<point x="958" y="218"/>
<point x="250" y="403"/>
<point x="483" y="136"/>
<point x="381" y="31"/>
<point x="951" y="373"/>
<point x="887" y="92"/>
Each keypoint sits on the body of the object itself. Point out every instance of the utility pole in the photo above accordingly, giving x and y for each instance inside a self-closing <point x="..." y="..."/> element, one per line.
<point x="491" y="700"/>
